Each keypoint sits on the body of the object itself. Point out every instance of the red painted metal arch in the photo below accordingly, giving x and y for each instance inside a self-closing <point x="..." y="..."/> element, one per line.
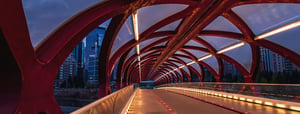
<point x="50" y="54"/>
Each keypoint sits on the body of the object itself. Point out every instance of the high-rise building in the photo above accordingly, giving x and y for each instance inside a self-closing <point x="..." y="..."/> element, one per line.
<point x="66" y="70"/>
<point x="93" y="69"/>
<point x="83" y="60"/>
<point x="273" y="62"/>
<point x="93" y="42"/>
<point x="228" y="68"/>
<point x="266" y="60"/>
<point x="79" y="58"/>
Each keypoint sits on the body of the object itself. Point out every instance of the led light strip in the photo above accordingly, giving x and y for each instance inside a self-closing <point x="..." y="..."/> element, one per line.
<point x="136" y="37"/>
<point x="131" y="100"/>
<point x="181" y="66"/>
<point x="190" y="63"/>
<point x="135" y="26"/>
<point x="231" y="47"/>
<point x="138" y="49"/>
<point x="279" y="30"/>
<point x="234" y="46"/>
<point x="205" y="57"/>
<point x="240" y="98"/>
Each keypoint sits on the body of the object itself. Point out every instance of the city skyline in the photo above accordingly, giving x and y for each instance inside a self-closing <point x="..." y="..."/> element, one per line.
<point x="84" y="61"/>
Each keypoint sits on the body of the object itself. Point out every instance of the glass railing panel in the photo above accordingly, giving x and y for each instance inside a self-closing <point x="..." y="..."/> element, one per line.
<point x="111" y="104"/>
<point x="287" y="92"/>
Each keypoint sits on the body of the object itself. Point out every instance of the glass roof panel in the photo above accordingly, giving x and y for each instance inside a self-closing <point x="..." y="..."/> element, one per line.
<point x="172" y="59"/>
<point x="44" y="16"/>
<point x="125" y="34"/>
<point x="289" y="39"/>
<point x="147" y="59"/>
<point x="134" y="61"/>
<point x="166" y="64"/>
<point x="149" y="41"/>
<point x="170" y="27"/>
<point x="172" y="66"/>
<point x="146" y="53"/>
<point x="179" y="53"/>
<point x="213" y="63"/>
<point x="186" y="69"/>
<point x="197" y="53"/>
<point x="174" y="74"/>
<point x="162" y="44"/>
<point x="180" y="72"/>
<point x="193" y="43"/>
<point x="242" y="55"/>
<point x="156" y="53"/>
<point x="178" y="64"/>
<point x="264" y="17"/>
<point x="131" y="53"/>
<point x="222" y="24"/>
<point x="148" y="16"/>
<point x="185" y="59"/>
<point x="197" y="67"/>
<point x="219" y="42"/>
<point x="143" y="60"/>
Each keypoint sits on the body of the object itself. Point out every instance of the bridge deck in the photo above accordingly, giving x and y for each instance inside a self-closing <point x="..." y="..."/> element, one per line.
<point x="149" y="101"/>
<point x="145" y="103"/>
<point x="162" y="101"/>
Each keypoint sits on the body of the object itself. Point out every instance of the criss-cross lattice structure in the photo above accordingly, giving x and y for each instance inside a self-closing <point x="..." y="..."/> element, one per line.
<point x="161" y="40"/>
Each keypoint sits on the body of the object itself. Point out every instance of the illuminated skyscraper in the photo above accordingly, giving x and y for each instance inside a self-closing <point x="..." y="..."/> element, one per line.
<point x="273" y="62"/>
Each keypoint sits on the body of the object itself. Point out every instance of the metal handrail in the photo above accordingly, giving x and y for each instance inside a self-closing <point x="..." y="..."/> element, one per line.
<point x="109" y="104"/>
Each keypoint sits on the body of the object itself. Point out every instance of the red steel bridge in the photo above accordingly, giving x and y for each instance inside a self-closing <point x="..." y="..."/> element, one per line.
<point x="160" y="40"/>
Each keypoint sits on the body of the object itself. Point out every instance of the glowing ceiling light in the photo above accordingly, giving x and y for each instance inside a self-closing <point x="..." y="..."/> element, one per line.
<point x="231" y="47"/>
<point x="162" y="76"/>
<point x="205" y="57"/>
<point x="139" y="58"/>
<point x="136" y="37"/>
<point x="279" y="30"/>
<point x="174" y="69"/>
<point x="192" y="62"/>
<point x="135" y="26"/>
<point x="181" y="66"/>
<point x="138" y="49"/>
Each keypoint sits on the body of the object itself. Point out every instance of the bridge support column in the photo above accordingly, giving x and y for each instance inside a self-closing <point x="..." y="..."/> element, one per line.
<point x="37" y="91"/>
<point x="248" y="79"/>
<point x="218" y="79"/>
